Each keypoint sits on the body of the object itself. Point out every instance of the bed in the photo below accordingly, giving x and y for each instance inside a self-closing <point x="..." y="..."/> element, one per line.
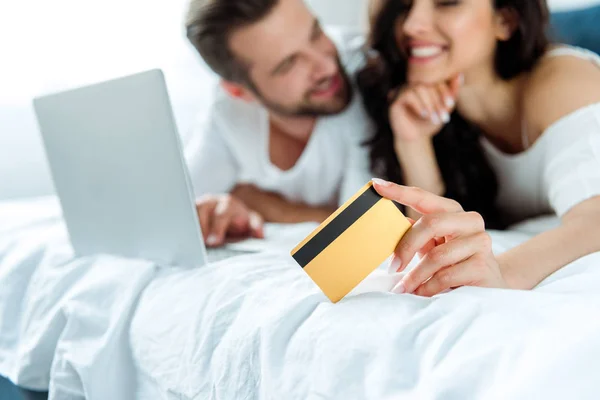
<point x="256" y="327"/>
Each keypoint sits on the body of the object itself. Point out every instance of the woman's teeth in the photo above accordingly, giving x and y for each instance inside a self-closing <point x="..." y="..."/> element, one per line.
<point x="425" y="51"/>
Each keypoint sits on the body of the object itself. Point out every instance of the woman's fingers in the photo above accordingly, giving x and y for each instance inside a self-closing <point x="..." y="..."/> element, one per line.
<point x="479" y="270"/>
<point x="417" y="106"/>
<point x="396" y="262"/>
<point x="442" y="217"/>
<point x="418" y="199"/>
<point x="446" y="255"/>
<point x="451" y="225"/>
<point x="428" y="247"/>
<point x="446" y="96"/>
<point x="426" y="97"/>
<point x="429" y="103"/>
<point x="439" y="104"/>
<point x="458" y="275"/>
<point x="432" y="102"/>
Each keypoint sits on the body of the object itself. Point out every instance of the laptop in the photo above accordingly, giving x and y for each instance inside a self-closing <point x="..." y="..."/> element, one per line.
<point x="118" y="168"/>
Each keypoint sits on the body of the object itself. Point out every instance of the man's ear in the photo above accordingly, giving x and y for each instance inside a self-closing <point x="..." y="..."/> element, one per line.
<point x="237" y="91"/>
<point x="507" y="22"/>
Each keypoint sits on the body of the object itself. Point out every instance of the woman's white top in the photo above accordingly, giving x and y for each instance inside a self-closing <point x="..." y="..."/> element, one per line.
<point x="560" y="169"/>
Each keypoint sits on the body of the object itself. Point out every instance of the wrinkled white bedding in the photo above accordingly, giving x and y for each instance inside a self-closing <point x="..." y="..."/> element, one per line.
<point x="256" y="327"/>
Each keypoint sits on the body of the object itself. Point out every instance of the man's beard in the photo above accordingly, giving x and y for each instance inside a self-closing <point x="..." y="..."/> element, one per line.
<point x="306" y="109"/>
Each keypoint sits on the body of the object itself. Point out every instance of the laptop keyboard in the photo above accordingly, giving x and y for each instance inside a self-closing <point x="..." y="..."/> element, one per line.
<point x="223" y="253"/>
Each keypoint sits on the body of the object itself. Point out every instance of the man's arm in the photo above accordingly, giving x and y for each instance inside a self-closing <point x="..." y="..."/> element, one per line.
<point x="274" y="208"/>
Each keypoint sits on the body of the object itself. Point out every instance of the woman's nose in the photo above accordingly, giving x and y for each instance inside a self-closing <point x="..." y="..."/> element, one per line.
<point x="419" y="19"/>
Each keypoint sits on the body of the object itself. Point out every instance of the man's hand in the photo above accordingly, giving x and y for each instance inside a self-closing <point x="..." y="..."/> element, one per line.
<point x="223" y="216"/>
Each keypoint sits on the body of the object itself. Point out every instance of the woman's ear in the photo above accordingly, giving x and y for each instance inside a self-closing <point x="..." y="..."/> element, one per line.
<point x="507" y="22"/>
<point x="237" y="91"/>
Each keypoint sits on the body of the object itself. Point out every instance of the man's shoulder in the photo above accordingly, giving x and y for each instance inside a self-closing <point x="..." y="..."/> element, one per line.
<point x="351" y="45"/>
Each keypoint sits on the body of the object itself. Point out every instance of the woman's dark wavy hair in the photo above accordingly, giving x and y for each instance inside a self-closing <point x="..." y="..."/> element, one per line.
<point x="468" y="177"/>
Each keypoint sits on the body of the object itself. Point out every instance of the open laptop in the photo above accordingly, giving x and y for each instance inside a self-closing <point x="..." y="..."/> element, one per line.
<point x="118" y="168"/>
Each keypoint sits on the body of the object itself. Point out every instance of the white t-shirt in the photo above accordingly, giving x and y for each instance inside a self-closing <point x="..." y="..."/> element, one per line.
<point x="561" y="168"/>
<point x="231" y="146"/>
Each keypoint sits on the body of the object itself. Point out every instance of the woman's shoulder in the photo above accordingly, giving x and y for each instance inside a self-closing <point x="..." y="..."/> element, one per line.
<point x="564" y="81"/>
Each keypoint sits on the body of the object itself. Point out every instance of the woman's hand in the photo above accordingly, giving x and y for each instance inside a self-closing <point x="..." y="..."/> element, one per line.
<point x="454" y="247"/>
<point x="419" y="112"/>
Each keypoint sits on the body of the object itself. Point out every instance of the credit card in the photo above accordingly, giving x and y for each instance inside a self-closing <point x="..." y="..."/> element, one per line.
<point x="352" y="242"/>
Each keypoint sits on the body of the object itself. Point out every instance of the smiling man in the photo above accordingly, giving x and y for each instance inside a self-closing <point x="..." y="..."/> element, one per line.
<point x="281" y="142"/>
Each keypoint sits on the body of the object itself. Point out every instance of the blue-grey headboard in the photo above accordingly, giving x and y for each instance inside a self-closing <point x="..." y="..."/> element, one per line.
<point x="578" y="27"/>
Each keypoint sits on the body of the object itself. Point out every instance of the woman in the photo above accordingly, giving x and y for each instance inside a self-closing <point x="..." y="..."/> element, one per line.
<point x="472" y="103"/>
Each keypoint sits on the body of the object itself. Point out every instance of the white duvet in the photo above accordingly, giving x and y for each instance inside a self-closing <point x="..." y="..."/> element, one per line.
<point x="256" y="327"/>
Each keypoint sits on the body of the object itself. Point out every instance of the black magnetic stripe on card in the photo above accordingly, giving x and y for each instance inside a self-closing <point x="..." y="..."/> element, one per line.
<point x="337" y="226"/>
<point x="399" y="206"/>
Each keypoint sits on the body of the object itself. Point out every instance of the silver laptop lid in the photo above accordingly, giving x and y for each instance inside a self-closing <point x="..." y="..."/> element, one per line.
<point x="118" y="168"/>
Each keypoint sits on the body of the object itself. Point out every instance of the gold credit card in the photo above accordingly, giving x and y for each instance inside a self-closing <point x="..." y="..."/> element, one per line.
<point x="352" y="242"/>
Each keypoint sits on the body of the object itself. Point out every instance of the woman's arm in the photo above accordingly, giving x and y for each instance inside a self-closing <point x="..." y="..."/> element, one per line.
<point x="416" y="116"/>
<point x="558" y="87"/>
<point x="420" y="168"/>
<point x="454" y="247"/>
<point x="524" y="267"/>
<point x="456" y="251"/>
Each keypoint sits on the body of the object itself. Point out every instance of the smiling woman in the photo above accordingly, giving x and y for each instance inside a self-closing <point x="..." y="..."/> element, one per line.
<point x="523" y="139"/>
<point x="416" y="57"/>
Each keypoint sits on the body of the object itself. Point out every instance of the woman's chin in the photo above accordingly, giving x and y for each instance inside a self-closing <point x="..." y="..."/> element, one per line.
<point x="429" y="78"/>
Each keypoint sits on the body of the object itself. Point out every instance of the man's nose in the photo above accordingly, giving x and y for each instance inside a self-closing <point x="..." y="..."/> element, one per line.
<point x="325" y="65"/>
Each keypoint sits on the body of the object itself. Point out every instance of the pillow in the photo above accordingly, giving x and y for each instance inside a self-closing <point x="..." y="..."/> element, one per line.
<point x="577" y="27"/>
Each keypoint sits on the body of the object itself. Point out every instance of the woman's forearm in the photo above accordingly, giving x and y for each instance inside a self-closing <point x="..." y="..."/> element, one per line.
<point x="526" y="266"/>
<point x="420" y="167"/>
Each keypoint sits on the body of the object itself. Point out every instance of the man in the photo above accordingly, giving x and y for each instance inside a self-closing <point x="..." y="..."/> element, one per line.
<point x="282" y="141"/>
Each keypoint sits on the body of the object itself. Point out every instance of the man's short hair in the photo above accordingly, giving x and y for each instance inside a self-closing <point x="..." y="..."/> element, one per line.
<point x="210" y="24"/>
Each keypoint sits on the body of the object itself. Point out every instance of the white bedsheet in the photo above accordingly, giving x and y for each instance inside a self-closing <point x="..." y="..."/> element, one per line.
<point x="256" y="327"/>
<point x="62" y="317"/>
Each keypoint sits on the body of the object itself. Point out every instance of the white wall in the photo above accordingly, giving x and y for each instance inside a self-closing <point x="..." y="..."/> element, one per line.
<point x="340" y="12"/>
<point x="47" y="46"/>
